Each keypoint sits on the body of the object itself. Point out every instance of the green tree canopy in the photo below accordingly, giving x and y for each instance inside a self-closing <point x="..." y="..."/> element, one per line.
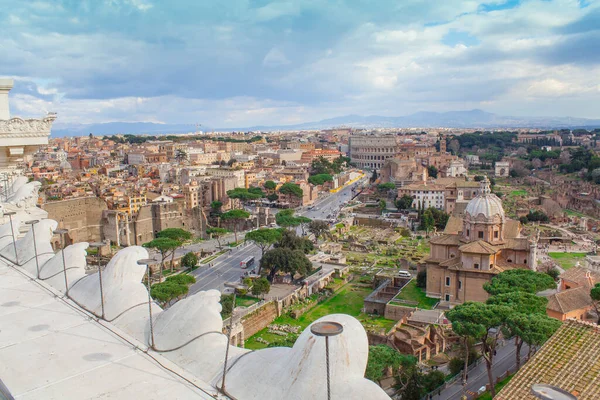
<point x="291" y="189"/>
<point x="175" y="233"/>
<point x="189" y="260"/>
<point x="243" y="194"/>
<point x="264" y="238"/>
<point x="261" y="286"/>
<point x="281" y="259"/>
<point x="382" y="187"/>
<point x="216" y="233"/>
<point x="382" y="357"/>
<point x="404" y="202"/>
<point x="521" y="302"/>
<point x="428" y="222"/>
<point x="286" y="218"/>
<point x="519" y="280"/>
<point x="236" y="216"/>
<point x="476" y="320"/>
<point x="270" y="185"/>
<point x="165" y="246"/>
<point x="595" y="295"/>
<point x="256" y="191"/>
<point x="178" y="234"/>
<point x="216" y="206"/>
<point x="290" y="240"/>
<point x="273" y="197"/>
<point x="318" y="228"/>
<point x="533" y="329"/>
<point x="432" y="171"/>
<point x="320" y="179"/>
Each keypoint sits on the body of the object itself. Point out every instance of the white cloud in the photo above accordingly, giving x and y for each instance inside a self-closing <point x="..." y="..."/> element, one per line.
<point x="275" y="58"/>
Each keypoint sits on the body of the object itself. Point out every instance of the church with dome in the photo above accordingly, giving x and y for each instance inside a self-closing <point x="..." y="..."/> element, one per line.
<point x="473" y="248"/>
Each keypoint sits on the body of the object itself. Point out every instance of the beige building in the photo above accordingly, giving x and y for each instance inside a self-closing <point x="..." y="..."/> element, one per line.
<point x="475" y="248"/>
<point x="371" y="151"/>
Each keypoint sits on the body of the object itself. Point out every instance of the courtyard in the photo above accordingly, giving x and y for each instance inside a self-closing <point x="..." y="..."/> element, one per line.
<point x="347" y="300"/>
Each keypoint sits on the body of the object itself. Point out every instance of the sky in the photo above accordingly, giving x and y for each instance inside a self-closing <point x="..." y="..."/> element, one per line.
<point x="239" y="63"/>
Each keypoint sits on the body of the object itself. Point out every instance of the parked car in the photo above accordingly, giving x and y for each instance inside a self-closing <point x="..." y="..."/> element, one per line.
<point x="404" y="274"/>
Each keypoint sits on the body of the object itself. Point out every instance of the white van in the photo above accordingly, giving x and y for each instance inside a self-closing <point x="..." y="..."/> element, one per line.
<point x="404" y="274"/>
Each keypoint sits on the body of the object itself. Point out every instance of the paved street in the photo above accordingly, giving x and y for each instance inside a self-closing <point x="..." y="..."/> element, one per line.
<point x="226" y="268"/>
<point x="330" y="204"/>
<point x="504" y="361"/>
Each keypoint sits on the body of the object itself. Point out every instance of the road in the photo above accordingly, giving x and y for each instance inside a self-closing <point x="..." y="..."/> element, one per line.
<point x="225" y="268"/>
<point x="504" y="361"/>
<point x="330" y="204"/>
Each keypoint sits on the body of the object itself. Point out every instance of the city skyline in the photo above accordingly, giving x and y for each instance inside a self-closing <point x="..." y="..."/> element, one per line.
<point x="284" y="63"/>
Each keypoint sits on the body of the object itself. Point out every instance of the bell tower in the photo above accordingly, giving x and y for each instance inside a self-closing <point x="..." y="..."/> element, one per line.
<point x="442" y="145"/>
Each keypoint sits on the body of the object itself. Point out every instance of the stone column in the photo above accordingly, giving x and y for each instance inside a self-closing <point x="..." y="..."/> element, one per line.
<point x="5" y="86"/>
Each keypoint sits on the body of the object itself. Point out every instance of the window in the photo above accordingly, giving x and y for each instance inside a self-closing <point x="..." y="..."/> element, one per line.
<point x="495" y="234"/>
<point x="459" y="285"/>
<point x="447" y="297"/>
<point x="468" y="232"/>
<point x="525" y="261"/>
<point x="476" y="266"/>
<point x="509" y="260"/>
<point x="447" y="281"/>
<point x="480" y="234"/>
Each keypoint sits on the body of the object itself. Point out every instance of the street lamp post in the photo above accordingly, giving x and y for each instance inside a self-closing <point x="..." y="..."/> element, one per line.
<point x="62" y="233"/>
<point x="147" y="262"/>
<point x="33" y="222"/>
<point x="549" y="392"/>
<point x="97" y="246"/>
<point x="327" y="329"/>
<point x="228" y="341"/>
<point x="12" y="231"/>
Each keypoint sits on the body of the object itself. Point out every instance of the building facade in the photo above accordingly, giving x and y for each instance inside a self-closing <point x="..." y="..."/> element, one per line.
<point x="371" y="151"/>
<point x="478" y="246"/>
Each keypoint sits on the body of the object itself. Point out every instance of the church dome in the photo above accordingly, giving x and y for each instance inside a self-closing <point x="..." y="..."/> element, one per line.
<point x="485" y="203"/>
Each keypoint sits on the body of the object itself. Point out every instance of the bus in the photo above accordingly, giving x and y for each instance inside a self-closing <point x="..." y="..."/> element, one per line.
<point x="248" y="262"/>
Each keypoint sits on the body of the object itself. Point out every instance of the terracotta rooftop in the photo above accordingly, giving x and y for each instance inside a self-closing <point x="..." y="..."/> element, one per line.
<point x="570" y="360"/>
<point x="446" y="239"/>
<point x="570" y="300"/>
<point x="478" y="247"/>
<point x="581" y="276"/>
<point x="454" y="225"/>
<point x="516" y="244"/>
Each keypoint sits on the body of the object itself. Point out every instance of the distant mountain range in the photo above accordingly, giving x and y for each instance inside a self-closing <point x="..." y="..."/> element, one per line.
<point x="451" y="119"/>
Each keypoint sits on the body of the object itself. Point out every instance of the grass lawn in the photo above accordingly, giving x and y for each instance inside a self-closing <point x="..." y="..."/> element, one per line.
<point x="567" y="260"/>
<point x="520" y="192"/>
<point x="349" y="300"/>
<point x="574" y="213"/>
<point x="245" y="301"/>
<point x="413" y="293"/>
<point x="499" y="385"/>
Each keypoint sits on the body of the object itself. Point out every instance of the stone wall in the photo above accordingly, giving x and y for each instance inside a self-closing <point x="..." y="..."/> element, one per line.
<point x="259" y="319"/>
<point x="82" y="217"/>
<point x="397" y="312"/>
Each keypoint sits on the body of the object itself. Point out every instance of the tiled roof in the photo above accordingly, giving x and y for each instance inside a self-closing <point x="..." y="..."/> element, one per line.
<point x="450" y="262"/>
<point x="446" y="239"/>
<point x="454" y="225"/>
<point x="478" y="247"/>
<point x="570" y="360"/>
<point x="582" y="276"/>
<point x="516" y="244"/>
<point x="570" y="300"/>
